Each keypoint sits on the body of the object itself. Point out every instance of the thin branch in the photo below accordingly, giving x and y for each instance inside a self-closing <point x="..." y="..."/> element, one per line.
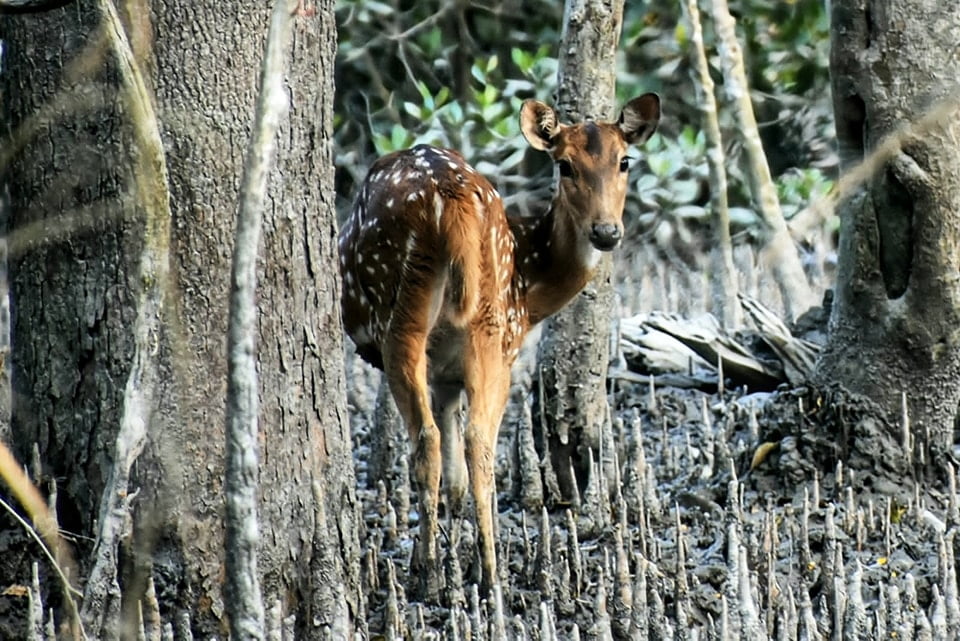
<point x="722" y="281"/>
<point x="787" y="269"/>
<point x="244" y="603"/>
<point x="51" y="542"/>
<point x="429" y="21"/>
<point x="32" y="531"/>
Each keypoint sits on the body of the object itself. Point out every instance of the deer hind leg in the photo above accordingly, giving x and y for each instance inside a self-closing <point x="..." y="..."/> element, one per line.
<point x="487" y="383"/>
<point x="446" y="404"/>
<point x="405" y="364"/>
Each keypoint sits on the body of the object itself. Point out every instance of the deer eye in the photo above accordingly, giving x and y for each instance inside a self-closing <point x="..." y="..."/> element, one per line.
<point x="625" y="163"/>
<point x="566" y="170"/>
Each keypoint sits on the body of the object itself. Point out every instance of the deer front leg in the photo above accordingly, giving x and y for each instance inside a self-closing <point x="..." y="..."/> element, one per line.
<point x="488" y="383"/>
<point x="405" y="363"/>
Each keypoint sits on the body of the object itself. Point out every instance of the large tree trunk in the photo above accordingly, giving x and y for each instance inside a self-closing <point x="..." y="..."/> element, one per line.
<point x="575" y="346"/>
<point x="75" y="295"/>
<point x="895" y="325"/>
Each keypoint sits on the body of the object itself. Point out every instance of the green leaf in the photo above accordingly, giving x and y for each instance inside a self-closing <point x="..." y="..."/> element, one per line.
<point x="454" y="113"/>
<point x="490" y="94"/>
<point x="522" y="59"/>
<point x="379" y="8"/>
<point x="690" y="212"/>
<point x="680" y="33"/>
<point x="684" y="191"/>
<point x="646" y="181"/>
<point x="412" y="109"/>
<point x="433" y="40"/>
<point x="659" y="164"/>
<point x="398" y="137"/>
<point x="478" y="74"/>
<point x="382" y="144"/>
<point x="743" y="217"/>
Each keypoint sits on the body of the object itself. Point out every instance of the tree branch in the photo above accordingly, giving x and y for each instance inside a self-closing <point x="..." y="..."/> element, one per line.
<point x="244" y="603"/>
<point x="794" y="288"/>
<point x="722" y="275"/>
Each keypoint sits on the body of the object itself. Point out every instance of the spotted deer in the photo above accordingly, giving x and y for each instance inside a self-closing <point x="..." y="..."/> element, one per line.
<point x="440" y="288"/>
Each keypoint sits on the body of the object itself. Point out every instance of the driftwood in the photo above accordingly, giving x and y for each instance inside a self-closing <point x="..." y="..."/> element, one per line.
<point x="797" y="356"/>
<point x="691" y="352"/>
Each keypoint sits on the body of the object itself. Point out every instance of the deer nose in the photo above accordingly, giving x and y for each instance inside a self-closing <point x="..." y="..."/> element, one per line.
<point x="605" y="236"/>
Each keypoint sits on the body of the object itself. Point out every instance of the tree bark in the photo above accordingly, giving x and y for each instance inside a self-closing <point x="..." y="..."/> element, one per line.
<point x="574" y="349"/>
<point x="80" y="227"/>
<point x="894" y="325"/>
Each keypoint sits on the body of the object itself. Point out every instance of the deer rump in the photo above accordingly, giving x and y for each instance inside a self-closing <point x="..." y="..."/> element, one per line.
<point x="427" y="236"/>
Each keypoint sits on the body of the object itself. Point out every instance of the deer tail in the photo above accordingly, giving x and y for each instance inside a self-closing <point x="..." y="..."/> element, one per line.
<point x="462" y="230"/>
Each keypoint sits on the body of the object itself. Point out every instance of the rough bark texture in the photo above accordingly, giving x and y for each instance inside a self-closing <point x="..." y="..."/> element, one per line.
<point x="575" y="346"/>
<point x="895" y="324"/>
<point x="74" y="299"/>
<point x="72" y="292"/>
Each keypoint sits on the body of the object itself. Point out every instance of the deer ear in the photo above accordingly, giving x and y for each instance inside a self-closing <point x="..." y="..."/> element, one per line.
<point x="639" y="118"/>
<point x="539" y="125"/>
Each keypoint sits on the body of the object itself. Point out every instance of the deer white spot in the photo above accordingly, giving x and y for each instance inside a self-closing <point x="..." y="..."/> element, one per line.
<point x="389" y="203"/>
<point x="452" y="164"/>
<point x="480" y="212"/>
<point x="420" y="151"/>
<point x="437" y="207"/>
<point x="412" y="196"/>
<point x="396" y="178"/>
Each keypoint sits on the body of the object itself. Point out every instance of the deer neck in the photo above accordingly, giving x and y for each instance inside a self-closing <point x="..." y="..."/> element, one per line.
<point x="552" y="264"/>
